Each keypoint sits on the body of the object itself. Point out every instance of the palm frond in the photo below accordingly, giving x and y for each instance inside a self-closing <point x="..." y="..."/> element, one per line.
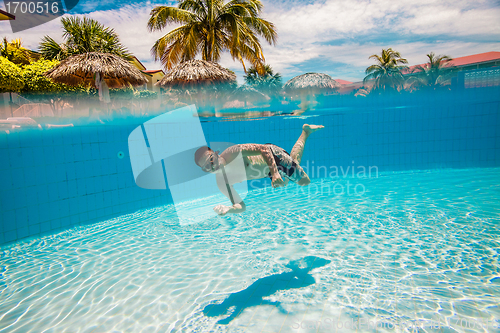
<point x="50" y="49"/>
<point x="161" y="16"/>
<point x="217" y="26"/>
<point x="83" y="35"/>
<point x="387" y="70"/>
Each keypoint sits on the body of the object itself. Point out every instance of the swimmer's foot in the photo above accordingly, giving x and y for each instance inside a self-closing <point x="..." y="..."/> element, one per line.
<point x="311" y="128"/>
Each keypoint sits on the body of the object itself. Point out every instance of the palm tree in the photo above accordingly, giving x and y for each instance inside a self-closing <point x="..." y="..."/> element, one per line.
<point x="433" y="74"/>
<point x="83" y="36"/>
<point x="266" y="82"/>
<point x="387" y="71"/>
<point x="211" y="27"/>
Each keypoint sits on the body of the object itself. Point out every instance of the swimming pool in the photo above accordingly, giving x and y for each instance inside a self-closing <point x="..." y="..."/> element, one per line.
<point x="418" y="250"/>
<point x="398" y="230"/>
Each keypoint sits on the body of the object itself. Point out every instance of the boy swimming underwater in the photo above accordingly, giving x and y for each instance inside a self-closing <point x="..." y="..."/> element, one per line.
<point x="260" y="161"/>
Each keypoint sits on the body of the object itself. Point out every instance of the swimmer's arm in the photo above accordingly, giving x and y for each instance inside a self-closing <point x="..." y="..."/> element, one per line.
<point x="254" y="149"/>
<point x="238" y="207"/>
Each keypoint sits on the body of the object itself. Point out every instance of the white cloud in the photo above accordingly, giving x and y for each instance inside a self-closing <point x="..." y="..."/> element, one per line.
<point x="354" y="29"/>
<point x="333" y="18"/>
<point x="457" y="22"/>
<point x="130" y="22"/>
<point x="31" y="37"/>
<point x="305" y="29"/>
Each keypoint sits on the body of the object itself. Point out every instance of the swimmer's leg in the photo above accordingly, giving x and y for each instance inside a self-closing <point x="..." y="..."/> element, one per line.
<point x="298" y="148"/>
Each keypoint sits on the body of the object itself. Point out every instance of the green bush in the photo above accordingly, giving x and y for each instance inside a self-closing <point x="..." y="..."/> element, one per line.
<point x="37" y="82"/>
<point x="11" y="78"/>
<point x="40" y="88"/>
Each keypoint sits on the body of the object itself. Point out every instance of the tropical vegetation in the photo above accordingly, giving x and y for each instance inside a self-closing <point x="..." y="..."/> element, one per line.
<point x="39" y="88"/>
<point x="434" y="74"/>
<point x="387" y="72"/>
<point x="36" y="82"/>
<point x="10" y="76"/>
<point x="209" y="28"/>
<point x="16" y="53"/>
<point x="82" y="35"/>
<point x="266" y="81"/>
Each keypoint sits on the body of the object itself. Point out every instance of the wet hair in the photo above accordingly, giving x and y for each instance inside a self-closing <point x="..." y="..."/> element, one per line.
<point x="199" y="153"/>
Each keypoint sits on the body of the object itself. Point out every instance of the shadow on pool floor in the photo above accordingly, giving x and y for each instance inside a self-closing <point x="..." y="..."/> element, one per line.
<point x="266" y="286"/>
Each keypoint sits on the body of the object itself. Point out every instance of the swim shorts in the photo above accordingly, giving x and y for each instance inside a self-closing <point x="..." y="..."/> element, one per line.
<point x="286" y="165"/>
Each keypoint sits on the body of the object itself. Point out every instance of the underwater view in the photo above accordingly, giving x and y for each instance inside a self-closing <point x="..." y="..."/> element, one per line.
<point x="255" y="166"/>
<point x="418" y="251"/>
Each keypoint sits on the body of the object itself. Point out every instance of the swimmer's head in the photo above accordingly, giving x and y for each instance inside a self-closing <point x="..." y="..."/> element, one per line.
<point x="207" y="159"/>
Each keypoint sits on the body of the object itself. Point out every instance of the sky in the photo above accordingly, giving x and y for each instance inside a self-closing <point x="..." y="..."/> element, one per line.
<point x="335" y="37"/>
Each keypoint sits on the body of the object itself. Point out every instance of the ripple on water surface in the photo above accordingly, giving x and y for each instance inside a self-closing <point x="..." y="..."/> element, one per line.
<point x="416" y="248"/>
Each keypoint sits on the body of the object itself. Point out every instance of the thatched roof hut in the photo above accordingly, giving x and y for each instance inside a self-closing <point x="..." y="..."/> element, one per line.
<point x="80" y="69"/>
<point x="311" y="81"/>
<point x="193" y="73"/>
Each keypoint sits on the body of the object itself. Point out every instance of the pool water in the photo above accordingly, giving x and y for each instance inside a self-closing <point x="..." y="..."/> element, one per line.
<point x="416" y="251"/>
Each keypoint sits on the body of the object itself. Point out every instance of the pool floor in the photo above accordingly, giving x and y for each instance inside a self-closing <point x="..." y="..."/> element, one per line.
<point x="407" y="252"/>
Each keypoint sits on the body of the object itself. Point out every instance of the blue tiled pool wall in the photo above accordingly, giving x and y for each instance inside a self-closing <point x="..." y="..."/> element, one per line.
<point x="55" y="179"/>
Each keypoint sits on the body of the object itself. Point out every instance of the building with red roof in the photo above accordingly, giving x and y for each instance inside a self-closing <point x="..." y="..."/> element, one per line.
<point x="475" y="61"/>
<point x="477" y="70"/>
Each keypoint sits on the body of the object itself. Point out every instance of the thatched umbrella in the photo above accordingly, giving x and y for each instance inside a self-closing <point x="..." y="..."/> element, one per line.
<point x="314" y="82"/>
<point x="308" y="85"/>
<point x="101" y="70"/>
<point x="196" y="73"/>
<point x="81" y="69"/>
<point x="192" y="77"/>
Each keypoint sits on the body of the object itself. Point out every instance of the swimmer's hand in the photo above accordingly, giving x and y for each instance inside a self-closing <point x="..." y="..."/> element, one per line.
<point x="278" y="181"/>
<point x="235" y="209"/>
<point x="222" y="210"/>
